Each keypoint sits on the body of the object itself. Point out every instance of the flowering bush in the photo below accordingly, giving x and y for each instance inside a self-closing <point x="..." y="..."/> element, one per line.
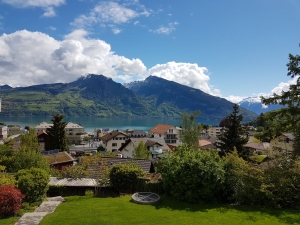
<point x="10" y="200"/>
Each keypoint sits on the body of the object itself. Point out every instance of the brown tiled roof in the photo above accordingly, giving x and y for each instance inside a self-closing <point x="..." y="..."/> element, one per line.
<point x="95" y="167"/>
<point x="111" y="135"/>
<point x="58" y="158"/>
<point x="41" y="132"/>
<point x="160" y="128"/>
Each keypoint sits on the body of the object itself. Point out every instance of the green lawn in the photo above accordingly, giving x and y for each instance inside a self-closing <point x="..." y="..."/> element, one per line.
<point x="92" y="210"/>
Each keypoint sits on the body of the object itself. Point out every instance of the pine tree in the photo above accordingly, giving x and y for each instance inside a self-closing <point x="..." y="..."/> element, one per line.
<point x="57" y="138"/>
<point x="233" y="135"/>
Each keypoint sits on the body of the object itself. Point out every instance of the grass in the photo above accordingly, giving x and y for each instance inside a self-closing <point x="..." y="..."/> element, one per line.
<point x="92" y="210"/>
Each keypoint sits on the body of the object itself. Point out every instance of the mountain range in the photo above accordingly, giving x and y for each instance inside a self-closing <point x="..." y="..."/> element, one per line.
<point x="253" y="105"/>
<point x="97" y="95"/>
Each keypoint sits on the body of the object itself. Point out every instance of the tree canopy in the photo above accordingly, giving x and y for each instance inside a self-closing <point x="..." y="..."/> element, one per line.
<point x="191" y="130"/>
<point x="141" y="151"/>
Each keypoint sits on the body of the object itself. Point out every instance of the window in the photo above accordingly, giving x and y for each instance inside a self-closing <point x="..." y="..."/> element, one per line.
<point x="114" y="144"/>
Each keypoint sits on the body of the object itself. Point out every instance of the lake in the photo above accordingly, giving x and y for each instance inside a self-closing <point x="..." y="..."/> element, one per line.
<point x="89" y="123"/>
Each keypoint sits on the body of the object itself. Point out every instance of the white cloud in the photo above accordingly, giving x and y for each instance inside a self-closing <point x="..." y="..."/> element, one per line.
<point x="165" y="29"/>
<point x="28" y="58"/>
<point x="234" y="99"/>
<point x="34" y="3"/>
<point x="116" y="30"/>
<point x="52" y="28"/>
<point x="47" y="5"/>
<point x="184" y="73"/>
<point x="49" y="12"/>
<point x="108" y="12"/>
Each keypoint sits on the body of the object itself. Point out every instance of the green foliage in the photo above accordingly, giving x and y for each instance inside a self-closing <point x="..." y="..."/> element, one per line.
<point x="28" y="155"/>
<point x="234" y="135"/>
<point x="124" y="177"/>
<point x="191" y="130"/>
<point x="10" y="200"/>
<point x="141" y="151"/>
<point x="243" y="182"/>
<point x="6" y="178"/>
<point x="290" y="115"/>
<point x="57" y="138"/>
<point x="282" y="183"/>
<point x="77" y="171"/>
<point x="192" y="175"/>
<point x="6" y="153"/>
<point x="33" y="183"/>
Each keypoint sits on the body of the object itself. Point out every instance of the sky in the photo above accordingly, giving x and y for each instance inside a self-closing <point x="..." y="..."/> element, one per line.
<point x="232" y="49"/>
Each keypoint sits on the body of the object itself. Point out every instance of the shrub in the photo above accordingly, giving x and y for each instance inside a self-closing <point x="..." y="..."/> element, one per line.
<point x="33" y="183"/>
<point x="10" y="200"/>
<point x="192" y="175"/>
<point x="124" y="177"/>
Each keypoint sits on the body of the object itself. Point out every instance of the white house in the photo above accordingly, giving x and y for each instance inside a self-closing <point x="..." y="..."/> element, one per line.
<point x="157" y="147"/>
<point x="114" y="140"/>
<point x="170" y="134"/>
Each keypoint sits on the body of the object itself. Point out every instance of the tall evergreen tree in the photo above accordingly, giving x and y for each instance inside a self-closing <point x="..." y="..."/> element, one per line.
<point x="233" y="135"/>
<point x="57" y="138"/>
<point x="290" y="115"/>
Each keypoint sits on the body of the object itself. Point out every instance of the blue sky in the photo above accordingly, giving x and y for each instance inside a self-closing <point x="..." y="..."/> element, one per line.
<point x="232" y="49"/>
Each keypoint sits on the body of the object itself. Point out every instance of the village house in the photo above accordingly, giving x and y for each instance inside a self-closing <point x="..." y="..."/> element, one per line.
<point x="3" y="132"/>
<point x="71" y="128"/>
<point x="156" y="146"/>
<point x="114" y="140"/>
<point x="170" y="134"/>
<point x="58" y="160"/>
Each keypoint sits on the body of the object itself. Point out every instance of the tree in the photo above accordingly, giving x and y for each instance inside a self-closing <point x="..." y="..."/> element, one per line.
<point x="28" y="155"/>
<point x="233" y="135"/>
<point x="141" y="151"/>
<point x="191" y="130"/>
<point x="57" y="135"/>
<point x="290" y="115"/>
<point x="33" y="183"/>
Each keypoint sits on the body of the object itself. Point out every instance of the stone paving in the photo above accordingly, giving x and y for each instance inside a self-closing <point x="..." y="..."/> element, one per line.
<point x="47" y="207"/>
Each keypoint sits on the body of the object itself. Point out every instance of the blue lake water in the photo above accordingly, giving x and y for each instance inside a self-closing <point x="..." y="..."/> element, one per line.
<point x="89" y="123"/>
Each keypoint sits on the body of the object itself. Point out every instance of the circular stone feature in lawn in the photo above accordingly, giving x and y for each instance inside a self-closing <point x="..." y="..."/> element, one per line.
<point x="145" y="198"/>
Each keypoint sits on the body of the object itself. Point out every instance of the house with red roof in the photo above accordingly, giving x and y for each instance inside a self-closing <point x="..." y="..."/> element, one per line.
<point x="170" y="134"/>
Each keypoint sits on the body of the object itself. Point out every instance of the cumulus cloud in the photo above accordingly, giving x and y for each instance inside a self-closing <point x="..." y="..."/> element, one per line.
<point x="28" y="58"/>
<point x="185" y="73"/>
<point x="109" y="13"/>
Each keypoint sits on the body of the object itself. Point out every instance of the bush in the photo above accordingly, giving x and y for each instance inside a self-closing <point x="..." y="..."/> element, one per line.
<point x="124" y="177"/>
<point x="192" y="175"/>
<point x="10" y="200"/>
<point x="33" y="183"/>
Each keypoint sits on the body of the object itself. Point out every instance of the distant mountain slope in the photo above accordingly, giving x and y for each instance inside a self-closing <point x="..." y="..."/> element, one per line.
<point x="94" y="95"/>
<point x="257" y="107"/>
<point x="162" y="94"/>
<point x="97" y="95"/>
